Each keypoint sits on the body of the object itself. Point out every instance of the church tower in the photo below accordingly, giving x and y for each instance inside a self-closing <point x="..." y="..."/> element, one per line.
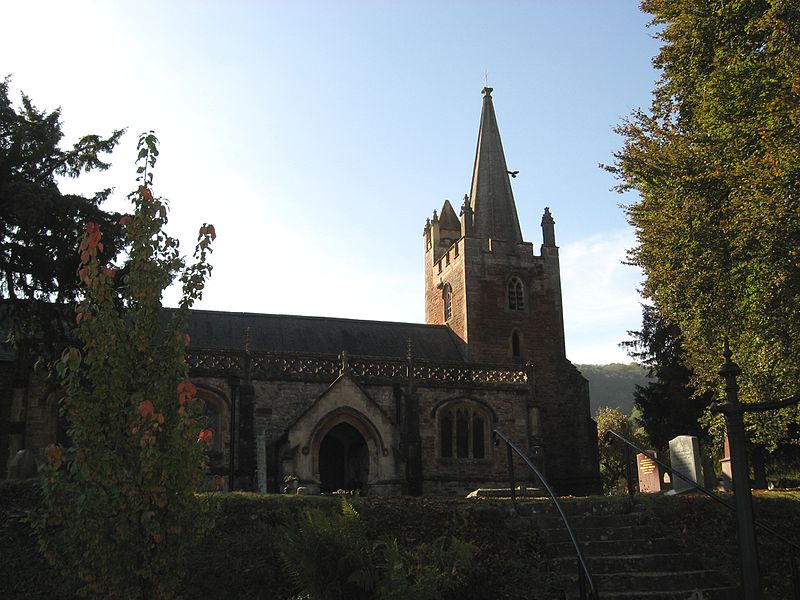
<point x="481" y="278"/>
<point x="502" y="301"/>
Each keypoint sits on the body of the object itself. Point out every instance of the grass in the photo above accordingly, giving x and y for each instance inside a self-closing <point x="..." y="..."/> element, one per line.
<point x="241" y="556"/>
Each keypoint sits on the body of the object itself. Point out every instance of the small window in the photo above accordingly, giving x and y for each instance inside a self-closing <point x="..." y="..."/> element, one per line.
<point x="462" y="432"/>
<point x="516" y="294"/>
<point x="447" y="296"/>
<point x="515" y="349"/>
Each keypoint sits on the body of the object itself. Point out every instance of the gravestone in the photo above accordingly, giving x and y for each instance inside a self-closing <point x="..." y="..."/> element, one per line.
<point x="23" y="465"/>
<point x="649" y="474"/>
<point x="684" y="456"/>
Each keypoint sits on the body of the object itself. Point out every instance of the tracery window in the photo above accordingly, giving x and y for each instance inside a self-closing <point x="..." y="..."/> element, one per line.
<point x="447" y="296"/>
<point x="462" y="432"/>
<point x="516" y="294"/>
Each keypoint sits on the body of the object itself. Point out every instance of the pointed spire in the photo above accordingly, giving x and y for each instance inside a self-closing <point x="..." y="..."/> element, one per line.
<point x="449" y="219"/>
<point x="495" y="214"/>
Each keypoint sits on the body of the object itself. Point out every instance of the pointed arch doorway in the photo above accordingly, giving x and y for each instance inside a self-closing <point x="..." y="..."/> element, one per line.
<point x="343" y="460"/>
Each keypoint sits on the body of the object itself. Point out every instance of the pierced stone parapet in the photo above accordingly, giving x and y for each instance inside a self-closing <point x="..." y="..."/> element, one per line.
<point x="326" y="368"/>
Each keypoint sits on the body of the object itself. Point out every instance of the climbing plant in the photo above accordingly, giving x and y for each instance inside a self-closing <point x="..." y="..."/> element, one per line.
<point x="120" y="509"/>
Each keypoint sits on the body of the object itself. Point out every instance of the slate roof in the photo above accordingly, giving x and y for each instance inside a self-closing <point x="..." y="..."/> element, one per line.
<point x="322" y="335"/>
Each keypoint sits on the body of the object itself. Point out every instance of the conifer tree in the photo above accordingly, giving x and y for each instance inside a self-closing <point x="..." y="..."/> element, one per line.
<point x="39" y="226"/>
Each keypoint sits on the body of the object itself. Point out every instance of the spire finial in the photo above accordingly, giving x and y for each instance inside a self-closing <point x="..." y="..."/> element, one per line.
<point x="487" y="92"/>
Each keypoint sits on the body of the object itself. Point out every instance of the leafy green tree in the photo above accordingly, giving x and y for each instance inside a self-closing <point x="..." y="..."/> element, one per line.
<point x="716" y="164"/>
<point x="613" y="471"/>
<point x="120" y="510"/>
<point x="39" y="226"/>
<point x="669" y="405"/>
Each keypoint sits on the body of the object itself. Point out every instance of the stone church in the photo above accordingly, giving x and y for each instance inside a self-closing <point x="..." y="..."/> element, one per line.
<point x="396" y="408"/>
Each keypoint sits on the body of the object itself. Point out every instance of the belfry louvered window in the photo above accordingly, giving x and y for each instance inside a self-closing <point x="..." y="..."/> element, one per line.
<point x="447" y="297"/>
<point x="462" y="432"/>
<point x="516" y="294"/>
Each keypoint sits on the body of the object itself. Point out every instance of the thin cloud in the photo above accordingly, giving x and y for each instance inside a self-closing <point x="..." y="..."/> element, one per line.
<point x="600" y="295"/>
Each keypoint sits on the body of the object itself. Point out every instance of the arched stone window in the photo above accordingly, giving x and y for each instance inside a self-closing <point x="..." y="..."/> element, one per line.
<point x="447" y="297"/>
<point x="463" y="431"/>
<point x="516" y="294"/>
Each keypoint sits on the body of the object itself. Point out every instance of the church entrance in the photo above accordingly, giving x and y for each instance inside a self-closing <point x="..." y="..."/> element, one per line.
<point x="343" y="460"/>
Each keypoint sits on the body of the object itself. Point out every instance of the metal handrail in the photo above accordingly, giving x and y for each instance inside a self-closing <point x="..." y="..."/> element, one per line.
<point x="794" y="548"/>
<point x="584" y="576"/>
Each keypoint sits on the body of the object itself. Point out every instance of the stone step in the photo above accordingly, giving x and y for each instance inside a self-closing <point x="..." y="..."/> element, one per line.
<point x="599" y="548"/>
<point x="627" y="532"/>
<point x="657" y="581"/>
<point x="676" y="561"/>
<point x="548" y="521"/>
<point x="714" y="593"/>
<point x="546" y="506"/>
<point x="521" y="492"/>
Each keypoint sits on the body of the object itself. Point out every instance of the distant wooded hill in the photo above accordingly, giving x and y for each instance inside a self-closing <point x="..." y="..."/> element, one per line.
<point x="613" y="385"/>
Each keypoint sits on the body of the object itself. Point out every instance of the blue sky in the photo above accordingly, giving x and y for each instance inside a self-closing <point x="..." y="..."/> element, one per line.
<point x="318" y="136"/>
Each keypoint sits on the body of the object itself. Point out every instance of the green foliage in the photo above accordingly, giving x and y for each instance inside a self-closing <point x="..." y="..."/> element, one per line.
<point x="613" y="385"/>
<point x="716" y="163"/>
<point x="119" y="508"/>
<point x="239" y="557"/>
<point x="425" y="572"/>
<point x="39" y="226"/>
<point x="668" y="406"/>
<point x="613" y="470"/>
<point x="330" y="557"/>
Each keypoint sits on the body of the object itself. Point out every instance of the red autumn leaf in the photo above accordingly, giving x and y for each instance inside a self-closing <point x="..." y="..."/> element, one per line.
<point x="125" y="220"/>
<point x="92" y="227"/>
<point x="211" y="232"/>
<point x="109" y="272"/>
<point x="146" y="408"/>
<point x="147" y="194"/>
<point x="206" y="436"/>
<point x="186" y="391"/>
<point x="85" y="256"/>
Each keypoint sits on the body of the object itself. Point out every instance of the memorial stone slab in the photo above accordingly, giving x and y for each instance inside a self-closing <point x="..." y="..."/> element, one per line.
<point x="649" y="474"/>
<point x="684" y="455"/>
<point x="23" y="465"/>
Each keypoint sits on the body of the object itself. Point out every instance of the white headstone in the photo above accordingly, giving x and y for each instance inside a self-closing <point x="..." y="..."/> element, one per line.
<point x="261" y="461"/>
<point x="684" y="456"/>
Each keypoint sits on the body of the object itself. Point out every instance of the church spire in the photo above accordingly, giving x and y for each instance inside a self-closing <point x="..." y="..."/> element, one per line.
<point x="491" y="198"/>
